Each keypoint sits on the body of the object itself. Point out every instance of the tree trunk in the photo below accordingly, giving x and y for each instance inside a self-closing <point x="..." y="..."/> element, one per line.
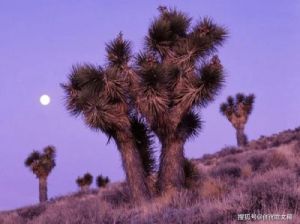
<point x="241" y="137"/>
<point x="84" y="188"/>
<point x="43" y="189"/>
<point x="134" y="170"/>
<point x="171" y="170"/>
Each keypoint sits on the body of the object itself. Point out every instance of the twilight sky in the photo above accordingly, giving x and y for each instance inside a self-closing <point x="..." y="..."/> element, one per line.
<point x="40" y="40"/>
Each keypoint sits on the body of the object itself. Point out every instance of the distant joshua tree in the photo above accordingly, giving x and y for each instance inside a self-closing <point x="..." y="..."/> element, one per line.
<point x="41" y="164"/>
<point x="85" y="182"/>
<point x="237" y="112"/>
<point x="102" y="181"/>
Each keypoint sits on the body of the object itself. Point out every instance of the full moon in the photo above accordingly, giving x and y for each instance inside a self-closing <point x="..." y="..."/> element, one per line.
<point x="44" y="100"/>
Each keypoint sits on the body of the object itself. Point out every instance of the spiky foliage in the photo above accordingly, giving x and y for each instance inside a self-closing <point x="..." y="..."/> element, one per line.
<point x="102" y="181"/>
<point x="239" y="107"/>
<point x="144" y="143"/>
<point x="41" y="164"/>
<point x="178" y="73"/>
<point x="103" y="96"/>
<point x="237" y="111"/>
<point x="118" y="52"/>
<point x="88" y="178"/>
<point x="85" y="180"/>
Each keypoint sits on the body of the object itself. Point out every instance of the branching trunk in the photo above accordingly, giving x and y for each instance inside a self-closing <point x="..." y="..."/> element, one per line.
<point x="171" y="170"/>
<point x="132" y="164"/>
<point x="43" y="189"/>
<point x="241" y="137"/>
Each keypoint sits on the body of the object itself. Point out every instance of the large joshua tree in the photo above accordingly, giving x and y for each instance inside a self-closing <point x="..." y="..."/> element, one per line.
<point x="41" y="164"/>
<point x="178" y="73"/>
<point x="237" y="111"/>
<point x="103" y="96"/>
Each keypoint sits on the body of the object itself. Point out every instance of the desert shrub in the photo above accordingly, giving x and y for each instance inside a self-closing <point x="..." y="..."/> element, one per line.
<point x="277" y="159"/>
<point x="228" y="150"/>
<point x="217" y="216"/>
<point x="296" y="148"/>
<point x="230" y="159"/>
<point x="210" y="162"/>
<point x="226" y="171"/>
<point x="246" y="171"/>
<point x="275" y="140"/>
<point x="297" y="171"/>
<point x="212" y="188"/>
<point x="207" y="157"/>
<point x="256" y="161"/>
<point x="31" y="212"/>
<point x="74" y="210"/>
<point x="11" y="218"/>
<point x="272" y="190"/>
<point x="117" y="196"/>
<point x="193" y="175"/>
<point x="183" y="199"/>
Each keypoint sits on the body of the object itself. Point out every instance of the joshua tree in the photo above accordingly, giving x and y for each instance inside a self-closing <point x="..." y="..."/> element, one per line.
<point x="84" y="182"/>
<point x="41" y="164"/>
<point x="103" y="96"/>
<point x="178" y="73"/>
<point x="102" y="181"/>
<point x="174" y="74"/>
<point x="237" y="112"/>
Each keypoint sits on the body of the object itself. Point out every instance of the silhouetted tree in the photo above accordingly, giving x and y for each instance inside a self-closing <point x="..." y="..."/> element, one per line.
<point x="103" y="96"/>
<point x="41" y="164"/>
<point x="102" y="181"/>
<point x="84" y="182"/>
<point x="177" y="74"/>
<point x="237" y="112"/>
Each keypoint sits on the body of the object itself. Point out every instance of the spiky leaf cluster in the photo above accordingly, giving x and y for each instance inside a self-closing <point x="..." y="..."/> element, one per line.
<point x="41" y="164"/>
<point x="118" y="52"/>
<point x="167" y="29"/>
<point x="171" y="34"/>
<point x="86" y="180"/>
<point x="99" y="94"/>
<point x="241" y="105"/>
<point x="189" y="126"/>
<point x="102" y="181"/>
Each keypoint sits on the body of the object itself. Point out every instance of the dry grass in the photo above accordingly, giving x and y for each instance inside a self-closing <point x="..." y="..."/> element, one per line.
<point x="261" y="181"/>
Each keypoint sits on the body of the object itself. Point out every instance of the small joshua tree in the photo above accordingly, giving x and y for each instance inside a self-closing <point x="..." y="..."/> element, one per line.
<point x="41" y="164"/>
<point x="84" y="182"/>
<point x="237" y="112"/>
<point x="102" y="181"/>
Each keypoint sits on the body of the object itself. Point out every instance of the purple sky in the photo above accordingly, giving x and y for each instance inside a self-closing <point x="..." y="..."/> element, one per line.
<point x="40" y="40"/>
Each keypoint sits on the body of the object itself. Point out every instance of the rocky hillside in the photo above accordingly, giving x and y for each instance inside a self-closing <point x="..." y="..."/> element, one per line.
<point x="258" y="182"/>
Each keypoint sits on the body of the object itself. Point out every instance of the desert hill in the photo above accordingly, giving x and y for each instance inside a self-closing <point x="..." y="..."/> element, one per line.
<point x="262" y="178"/>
